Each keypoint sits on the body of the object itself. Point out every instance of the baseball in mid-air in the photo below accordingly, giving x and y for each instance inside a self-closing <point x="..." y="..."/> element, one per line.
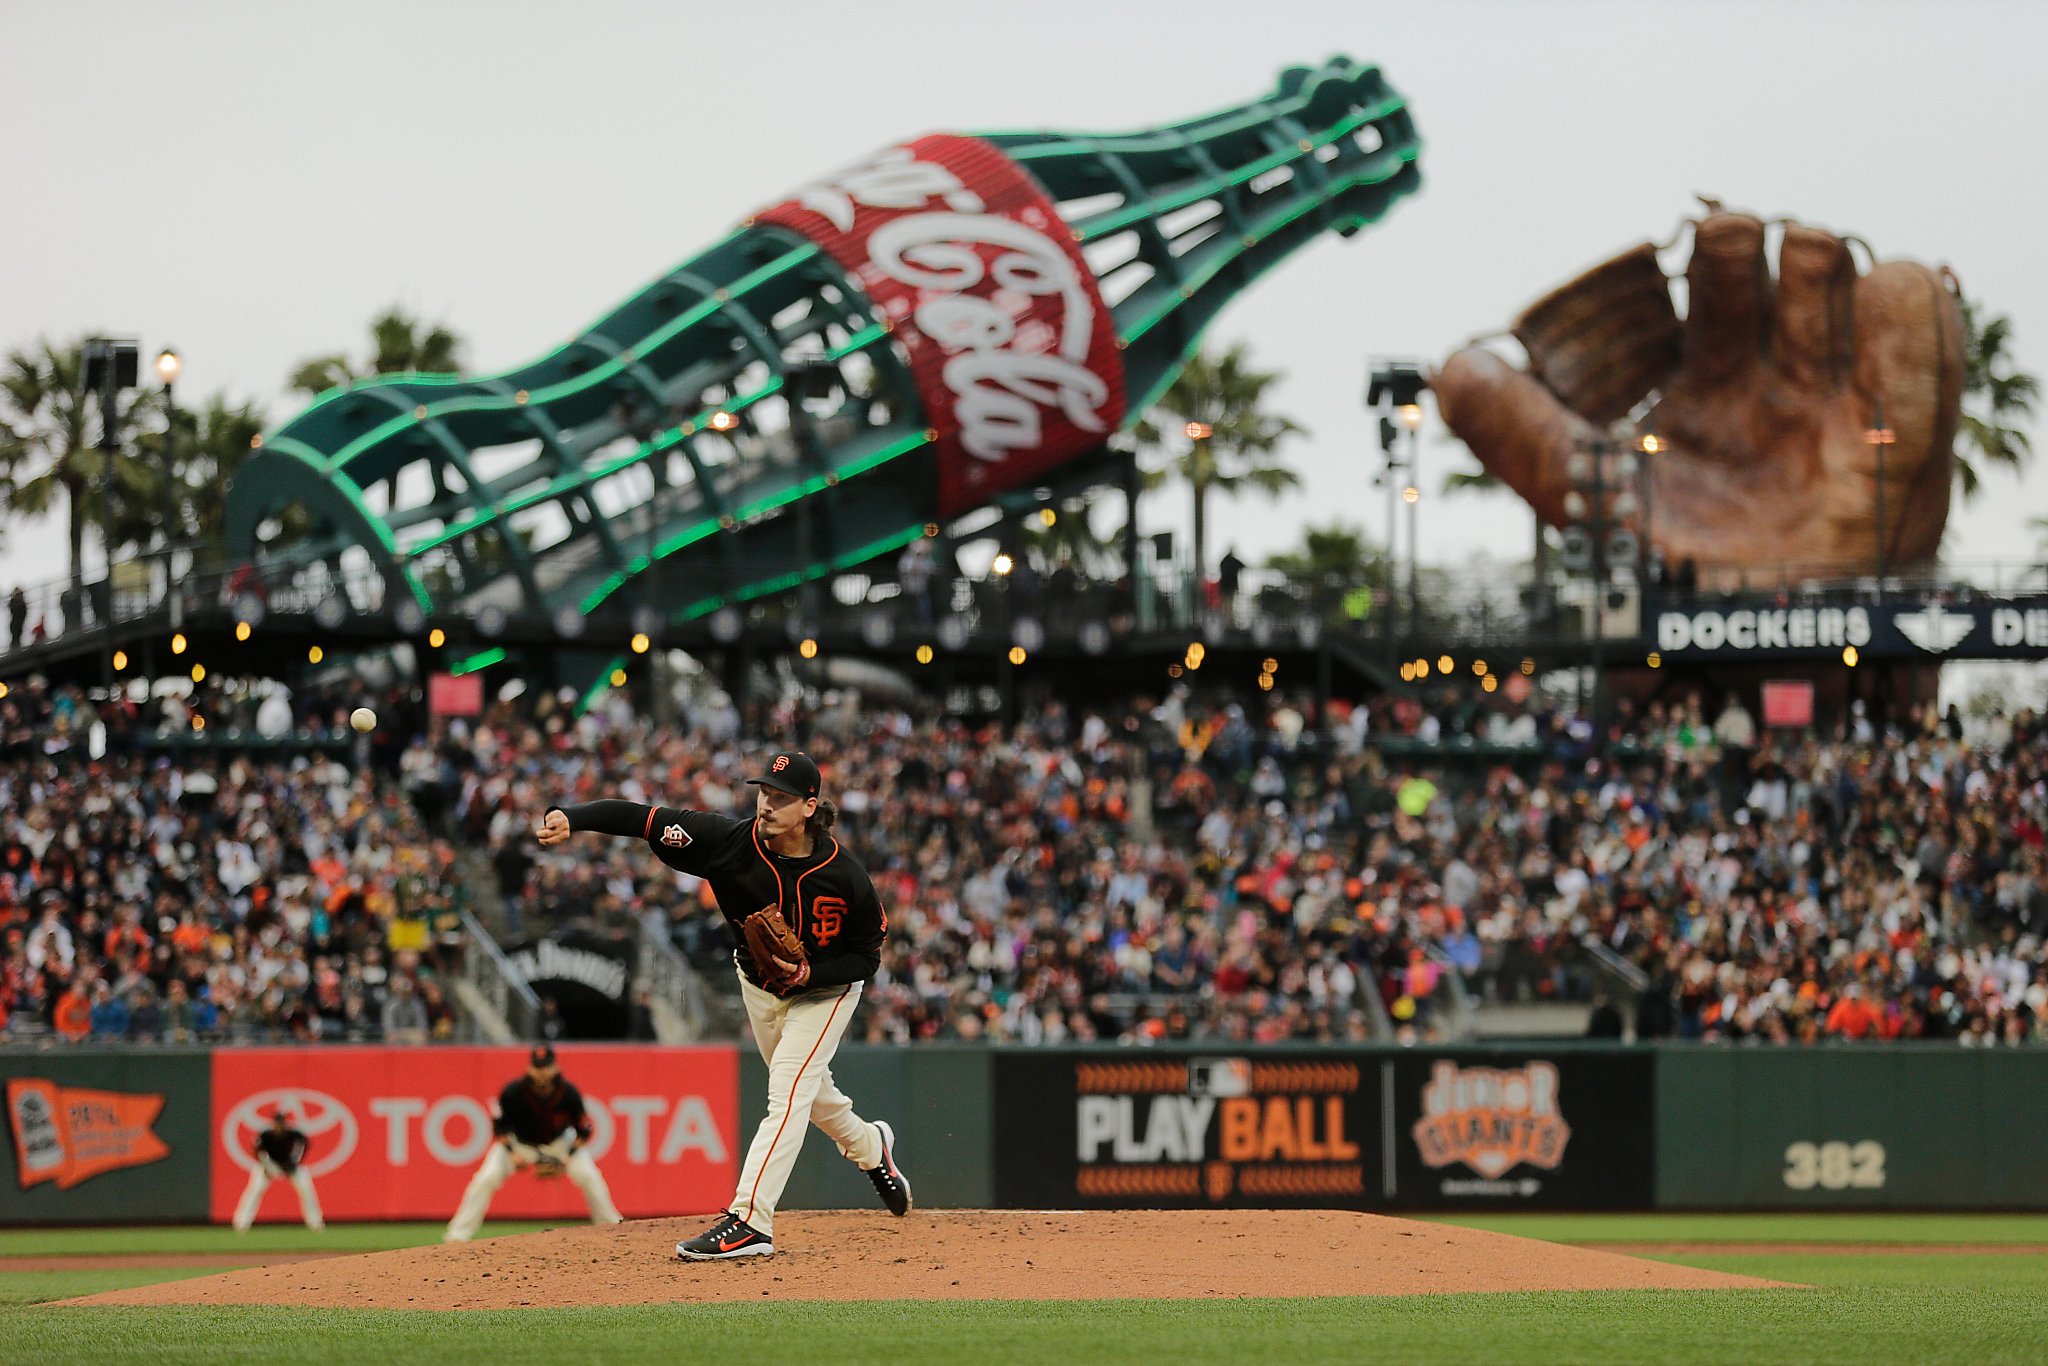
<point x="363" y="719"/>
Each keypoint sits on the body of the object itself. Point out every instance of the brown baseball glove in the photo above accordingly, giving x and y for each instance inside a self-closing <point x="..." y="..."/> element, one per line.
<point x="1770" y="392"/>
<point x="778" y="955"/>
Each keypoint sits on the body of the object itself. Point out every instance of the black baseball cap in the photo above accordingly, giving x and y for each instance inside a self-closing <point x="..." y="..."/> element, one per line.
<point x="790" y="771"/>
<point x="542" y="1056"/>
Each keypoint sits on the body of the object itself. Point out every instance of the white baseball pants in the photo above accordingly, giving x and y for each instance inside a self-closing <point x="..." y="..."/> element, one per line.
<point x="797" y="1038"/>
<point x="499" y="1163"/>
<point x="259" y="1182"/>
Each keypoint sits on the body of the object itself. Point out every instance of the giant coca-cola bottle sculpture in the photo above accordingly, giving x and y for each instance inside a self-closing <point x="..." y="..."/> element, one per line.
<point x="893" y="345"/>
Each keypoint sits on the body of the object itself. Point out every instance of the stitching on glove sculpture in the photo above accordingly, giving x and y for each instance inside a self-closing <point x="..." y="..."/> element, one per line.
<point x="1765" y="395"/>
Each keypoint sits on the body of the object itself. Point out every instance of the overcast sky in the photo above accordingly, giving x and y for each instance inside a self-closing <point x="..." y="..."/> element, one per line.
<point x="252" y="181"/>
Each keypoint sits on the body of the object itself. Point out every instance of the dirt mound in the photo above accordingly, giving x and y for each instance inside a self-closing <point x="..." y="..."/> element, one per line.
<point x="948" y="1255"/>
<point x="156" y="1261"/>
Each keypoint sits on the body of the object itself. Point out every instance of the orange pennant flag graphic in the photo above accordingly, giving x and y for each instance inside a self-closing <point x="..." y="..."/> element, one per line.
<point x="68" y="1134"/>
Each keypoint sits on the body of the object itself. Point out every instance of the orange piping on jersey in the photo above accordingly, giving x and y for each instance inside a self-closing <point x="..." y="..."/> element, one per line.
<point x="650" y="824"/>
<point x="798" y="1081"/>
<point x="755" y="831"/>
<point x="799" y="926"/>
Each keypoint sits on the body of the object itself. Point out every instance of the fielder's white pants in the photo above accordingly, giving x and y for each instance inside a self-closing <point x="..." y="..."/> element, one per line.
<point x="499" y="1163"/>
<point x="259" y="1182"/>
<point x="797" y="1038"/>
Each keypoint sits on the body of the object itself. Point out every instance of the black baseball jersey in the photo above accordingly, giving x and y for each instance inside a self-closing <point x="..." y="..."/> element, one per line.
<point x="826" y="897"/>
<point x="286" y="1147"/>
<point x="537" y="1119"/>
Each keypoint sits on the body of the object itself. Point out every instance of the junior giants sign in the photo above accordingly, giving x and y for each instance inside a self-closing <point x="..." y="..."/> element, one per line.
<point x="1572" y="1130"/>
<point x="1013" y="350"/>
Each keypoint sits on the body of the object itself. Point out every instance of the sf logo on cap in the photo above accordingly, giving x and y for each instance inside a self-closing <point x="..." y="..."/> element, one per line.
<point x="781" y="762"/>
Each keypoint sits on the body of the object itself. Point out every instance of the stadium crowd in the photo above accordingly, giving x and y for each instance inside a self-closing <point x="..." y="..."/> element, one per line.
<point x="1182" y="870"/>
<point x="1179" y="867"/>
<point x="212" y="896"/>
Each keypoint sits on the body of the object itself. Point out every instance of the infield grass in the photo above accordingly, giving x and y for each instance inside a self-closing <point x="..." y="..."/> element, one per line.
<point x="1915" y="1306"/>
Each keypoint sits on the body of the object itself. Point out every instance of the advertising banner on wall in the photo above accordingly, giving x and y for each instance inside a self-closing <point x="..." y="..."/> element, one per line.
<point x="1905" y="628"/>
<point x="1095" y="1130"/>
<point x="1512" y="1130"/>
<point x="588" y="975"/>
<point x="93" y="1138"/>
<point x="395" y="1133"/>
<point x="1327" y="1129"/>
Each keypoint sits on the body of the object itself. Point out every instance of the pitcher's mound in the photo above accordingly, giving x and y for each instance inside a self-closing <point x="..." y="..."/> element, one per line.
<point x="948" y="1255"/>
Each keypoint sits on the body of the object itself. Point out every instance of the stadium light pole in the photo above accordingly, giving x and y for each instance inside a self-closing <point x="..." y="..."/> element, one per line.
<point x="1411" y="418"/>
<point x="1395" y="389"/>
<point x="169" y="364"/>
<point x="1880" y="436"/>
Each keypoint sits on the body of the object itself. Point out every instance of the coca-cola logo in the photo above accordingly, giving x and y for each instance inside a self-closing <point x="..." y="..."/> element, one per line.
<point x="1009" y="339"/>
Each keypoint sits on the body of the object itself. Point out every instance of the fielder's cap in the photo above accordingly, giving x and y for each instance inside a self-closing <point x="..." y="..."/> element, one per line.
<point x="790" y="771"/>
<point x="542" y="1056"/>
<point x="280" y="1113"/>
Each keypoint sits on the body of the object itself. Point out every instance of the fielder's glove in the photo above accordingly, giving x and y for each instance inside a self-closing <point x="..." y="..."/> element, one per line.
<point x="779" y="958"/>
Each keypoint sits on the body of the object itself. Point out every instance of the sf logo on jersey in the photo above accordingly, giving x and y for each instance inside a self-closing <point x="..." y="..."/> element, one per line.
<point x="828" y="918"/>
<point x="674" y="836"/>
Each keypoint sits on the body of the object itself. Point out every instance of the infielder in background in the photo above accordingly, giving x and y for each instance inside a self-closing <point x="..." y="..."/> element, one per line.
<point x="810" y="928"/>
<point x="280" y="1152"/>
<point x="541" y="1124"/>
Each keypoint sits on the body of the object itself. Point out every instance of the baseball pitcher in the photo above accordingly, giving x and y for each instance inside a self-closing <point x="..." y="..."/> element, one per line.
<point x="541" y="1124"/>
<point x="280" y="1153"/>
<point x="810" y="928"/>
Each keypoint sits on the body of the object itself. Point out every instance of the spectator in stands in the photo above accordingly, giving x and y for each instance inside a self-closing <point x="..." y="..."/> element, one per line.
<point x="109" y="1013"/>
<point x="405" y="1015"/>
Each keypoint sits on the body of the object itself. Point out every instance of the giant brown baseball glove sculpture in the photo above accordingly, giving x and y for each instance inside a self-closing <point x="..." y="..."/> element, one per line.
<point x="1768" y="395"/>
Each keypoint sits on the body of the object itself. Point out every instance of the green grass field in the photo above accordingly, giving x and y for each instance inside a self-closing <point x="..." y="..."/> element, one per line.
<point x="1899" y="1306"/>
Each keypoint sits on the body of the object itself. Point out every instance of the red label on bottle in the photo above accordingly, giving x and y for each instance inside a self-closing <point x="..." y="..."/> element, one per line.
<point x="1012" y="347"/>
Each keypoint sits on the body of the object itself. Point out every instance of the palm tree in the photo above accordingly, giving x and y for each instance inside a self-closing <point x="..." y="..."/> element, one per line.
<point x="1337" y="565"/>
<point x="1994" y="394"/>
<point x="1336" y="552"/>
<point x="212" y="442"/>
<point x="1223" y="397"/>
<point x="399" y="344"/>
<point x="49" y="448"/>
<point x="1072" y="539"/>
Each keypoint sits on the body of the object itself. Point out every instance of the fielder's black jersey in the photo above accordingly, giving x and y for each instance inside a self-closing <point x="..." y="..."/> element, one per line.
<point x="538" y="1120"/>
<point x="826" y="896"/>
<point x="285" y="1147"/>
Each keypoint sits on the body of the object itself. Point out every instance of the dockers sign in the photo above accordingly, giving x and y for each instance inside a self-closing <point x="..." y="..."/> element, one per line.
<point x="1909" y="629"/>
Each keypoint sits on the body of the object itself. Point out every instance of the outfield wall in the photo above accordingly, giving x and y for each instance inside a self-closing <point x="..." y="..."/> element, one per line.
<point x="162" y="1135"/>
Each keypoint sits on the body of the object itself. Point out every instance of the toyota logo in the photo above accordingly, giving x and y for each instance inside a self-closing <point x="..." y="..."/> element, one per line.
<point x="313" y="1113"/>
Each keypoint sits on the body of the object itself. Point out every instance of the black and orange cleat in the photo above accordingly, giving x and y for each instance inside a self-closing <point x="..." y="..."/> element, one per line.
<point x="730" y="1237"/>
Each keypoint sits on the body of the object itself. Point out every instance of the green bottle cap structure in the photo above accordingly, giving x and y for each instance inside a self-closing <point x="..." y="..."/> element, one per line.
<point x="894" y="345"/>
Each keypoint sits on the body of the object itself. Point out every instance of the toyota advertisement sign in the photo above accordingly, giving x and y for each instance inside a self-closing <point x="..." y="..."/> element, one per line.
<point x="396" y="1133"/>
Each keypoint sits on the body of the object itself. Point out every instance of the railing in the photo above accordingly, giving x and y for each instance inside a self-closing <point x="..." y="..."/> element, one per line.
<point x="671" y="978"/>
<point x="1474" y="605"/>
<point x="486" y="968"/>
<point x="1454" y="1003"/>
<point x="1628" y="979"/>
